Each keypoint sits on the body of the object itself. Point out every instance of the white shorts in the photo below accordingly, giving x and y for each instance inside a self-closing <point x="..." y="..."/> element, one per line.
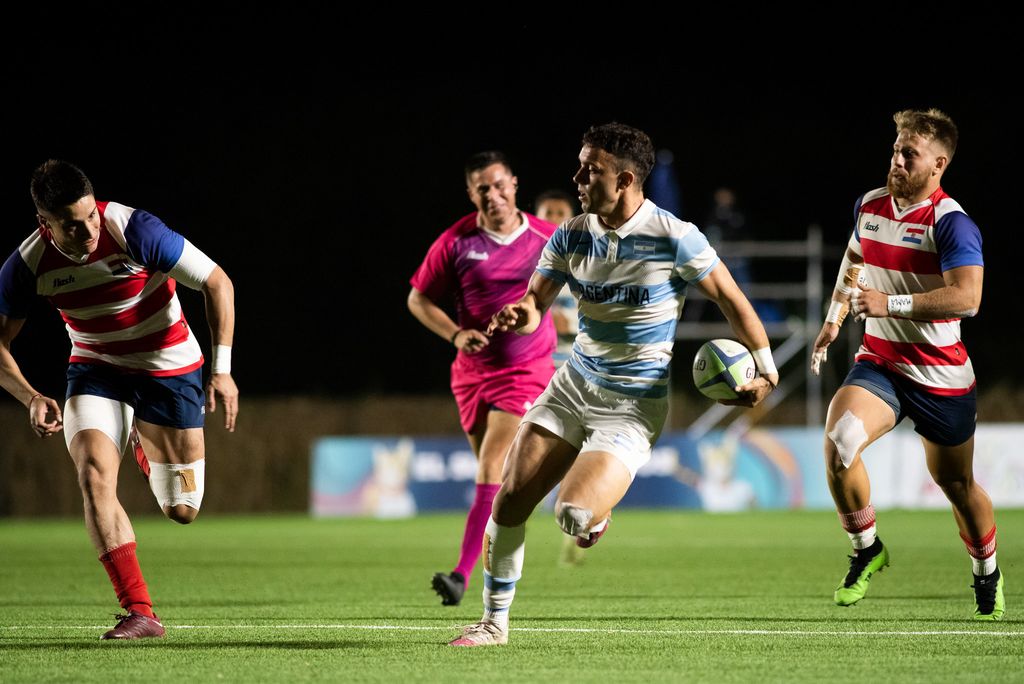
<point x="592" y="418"/>
<point x="88" y="412"/>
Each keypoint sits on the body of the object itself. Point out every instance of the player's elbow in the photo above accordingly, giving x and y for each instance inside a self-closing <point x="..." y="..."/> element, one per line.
<point x="414" y="301"/>
<point x="219" y="284"/>
<point x="971" y="305"/>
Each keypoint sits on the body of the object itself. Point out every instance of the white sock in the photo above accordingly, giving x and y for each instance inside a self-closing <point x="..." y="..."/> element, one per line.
<point x="862" y="539"/>
<point x="504" y="550"/>
<point x="984" y="566"/>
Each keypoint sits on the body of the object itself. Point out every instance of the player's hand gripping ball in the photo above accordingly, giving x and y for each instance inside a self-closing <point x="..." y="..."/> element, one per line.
<point x="720" y="367"/>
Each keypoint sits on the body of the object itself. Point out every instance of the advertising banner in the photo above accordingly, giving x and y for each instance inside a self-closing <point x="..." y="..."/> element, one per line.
<point x="778" y="468"/>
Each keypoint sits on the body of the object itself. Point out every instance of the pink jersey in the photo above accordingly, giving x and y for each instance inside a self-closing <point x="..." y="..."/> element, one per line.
<point x="905" y="252"/>
<point x="484" y="272"/>
<point x="118" y="304"/>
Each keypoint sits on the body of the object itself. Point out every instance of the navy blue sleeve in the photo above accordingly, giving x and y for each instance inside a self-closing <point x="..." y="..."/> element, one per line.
<point x="958" y="240"/>
<point x="17" y="287"/>
<point x="152" y="243"/>
<point x="856" y="217"/>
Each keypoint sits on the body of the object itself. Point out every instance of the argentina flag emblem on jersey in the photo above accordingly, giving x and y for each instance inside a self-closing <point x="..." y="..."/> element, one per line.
<point x="644" y="246"/>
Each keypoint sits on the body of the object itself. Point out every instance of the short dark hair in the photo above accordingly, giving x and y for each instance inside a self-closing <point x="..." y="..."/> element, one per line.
<point x="57" y="184"/>
<point x="929" y="123"/>
<point x="559" y="195"/>
<point x="629" y="144"/>
<point x="481" y="160"/>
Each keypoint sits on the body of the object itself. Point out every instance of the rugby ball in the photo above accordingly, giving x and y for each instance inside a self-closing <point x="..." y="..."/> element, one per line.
<point x="720" y="366"/>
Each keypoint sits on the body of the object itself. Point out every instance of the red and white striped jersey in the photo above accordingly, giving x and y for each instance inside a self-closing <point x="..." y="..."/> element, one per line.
<point x="906" y="252"/>
<point x="118" y="304"/>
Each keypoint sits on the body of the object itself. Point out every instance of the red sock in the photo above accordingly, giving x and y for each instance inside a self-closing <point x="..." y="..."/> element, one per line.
<point x="476" y="522"/>
<point x="860" y="526"/>
<point x="981" y="548"/>
<point x="125" y="574"/>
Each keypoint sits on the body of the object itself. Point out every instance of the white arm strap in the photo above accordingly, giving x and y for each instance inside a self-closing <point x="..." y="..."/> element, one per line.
<point x="193" y="268"/>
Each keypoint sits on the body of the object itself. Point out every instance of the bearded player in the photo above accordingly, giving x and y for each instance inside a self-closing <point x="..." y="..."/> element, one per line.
<point x="922" y="273"/>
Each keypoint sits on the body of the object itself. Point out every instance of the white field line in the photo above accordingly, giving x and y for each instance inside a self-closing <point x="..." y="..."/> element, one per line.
<point x="565" y="630"/>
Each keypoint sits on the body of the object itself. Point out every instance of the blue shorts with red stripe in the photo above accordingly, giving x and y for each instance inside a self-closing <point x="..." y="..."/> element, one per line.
<point x="176" y="401"/>
<point x="948" y="421"/>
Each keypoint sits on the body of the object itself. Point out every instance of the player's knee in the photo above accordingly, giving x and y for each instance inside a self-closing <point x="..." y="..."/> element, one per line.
<point x="489" y="473"/>
<point x="181" y="513"/>
<point x="956" y="488"/>
<point x="833" y="461"/>
<point x="511" y="508"/>
<point x="178" y="488"/>
<point x="93" y="480"/>
<point x="844" y="442"/>
<point x="574" y="520"/>
<point x="516" y="492"/>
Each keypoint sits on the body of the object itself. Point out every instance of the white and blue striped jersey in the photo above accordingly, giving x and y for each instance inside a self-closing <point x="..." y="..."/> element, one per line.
<point x="630" y="284"/>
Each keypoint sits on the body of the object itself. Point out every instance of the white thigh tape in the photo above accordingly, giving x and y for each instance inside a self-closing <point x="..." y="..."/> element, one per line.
<point x="88" y="412"/>
<point x="178" y="483"/>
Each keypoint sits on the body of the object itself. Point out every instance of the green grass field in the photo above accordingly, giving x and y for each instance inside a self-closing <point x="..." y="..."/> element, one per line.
<point x="665" y="596"/>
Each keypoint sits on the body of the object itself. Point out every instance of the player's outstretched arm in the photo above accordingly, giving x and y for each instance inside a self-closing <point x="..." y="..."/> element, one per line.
<point x="435" y="319"/>
<point x="524" y="316"/>
<point x="719" y="287"/>
<point x="220" y="314"/>
<point x="43" y="412"/>
<point x="850" y="278"/>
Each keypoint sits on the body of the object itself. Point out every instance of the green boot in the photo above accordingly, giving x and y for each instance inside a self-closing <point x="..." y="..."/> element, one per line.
<point x="863" y="565"/>
<point x="988" y="592"/>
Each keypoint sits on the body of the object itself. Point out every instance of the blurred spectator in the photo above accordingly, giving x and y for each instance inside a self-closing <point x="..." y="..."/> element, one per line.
<point x="555" y="206"/>
<point x="663" y="186"/>
<point x="726" y="223"/>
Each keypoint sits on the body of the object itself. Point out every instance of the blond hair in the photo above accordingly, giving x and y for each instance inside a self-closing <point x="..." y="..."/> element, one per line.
<point x="928" y="123"/>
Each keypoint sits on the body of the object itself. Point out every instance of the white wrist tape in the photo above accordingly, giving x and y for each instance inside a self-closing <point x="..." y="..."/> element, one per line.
<point x="900" y="305"/>
<point x="763" y="361"/>
<point x="221" y="362"/>
<point x="836" y="312"/>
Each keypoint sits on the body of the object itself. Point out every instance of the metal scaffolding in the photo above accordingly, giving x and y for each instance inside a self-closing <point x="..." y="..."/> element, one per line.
<point x="796" y="334"/>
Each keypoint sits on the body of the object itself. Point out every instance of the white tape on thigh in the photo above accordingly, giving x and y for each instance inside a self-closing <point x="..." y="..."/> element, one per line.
<point x="88" y="412"/>
<point x="849" y="436"/>
<point x="178" y="483"/>
<point x="573" y="520"/>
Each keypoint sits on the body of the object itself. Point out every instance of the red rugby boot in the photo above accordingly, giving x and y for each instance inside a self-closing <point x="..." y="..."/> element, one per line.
<point x="135" y="626"/>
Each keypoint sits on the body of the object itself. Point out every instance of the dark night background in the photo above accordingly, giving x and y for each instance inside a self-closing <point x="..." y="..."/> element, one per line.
<point x="319" y="185"/>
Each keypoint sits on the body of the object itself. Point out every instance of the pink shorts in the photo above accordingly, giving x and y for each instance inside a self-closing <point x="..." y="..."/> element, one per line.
<point x="513" y="389"/>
